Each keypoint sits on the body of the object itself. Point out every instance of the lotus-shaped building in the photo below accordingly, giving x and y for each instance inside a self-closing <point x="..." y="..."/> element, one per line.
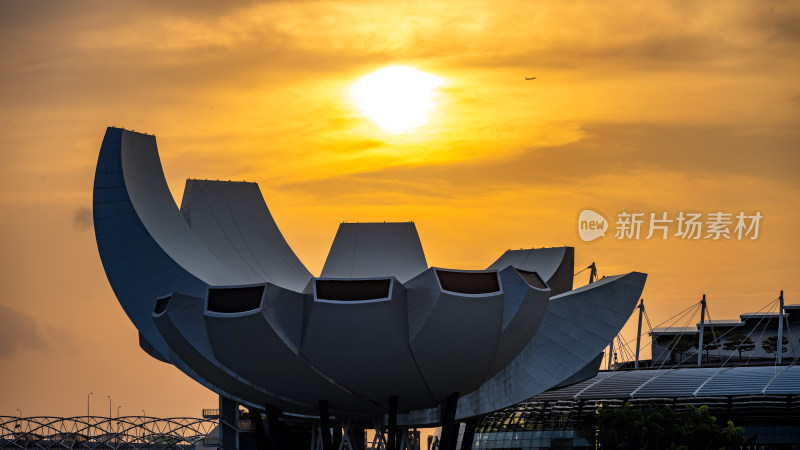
<point x="215" y="290"/>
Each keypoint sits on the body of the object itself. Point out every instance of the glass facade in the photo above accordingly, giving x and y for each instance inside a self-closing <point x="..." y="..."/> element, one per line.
<point x="769" y="421"/>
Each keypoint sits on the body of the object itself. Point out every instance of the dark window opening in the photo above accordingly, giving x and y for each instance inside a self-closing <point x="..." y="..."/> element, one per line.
<point x="468" y="282"/>
<point x="352" y="290"/>
<point x="533" y="279"/>
<point x="234" y="300"/>
<point x="161" y="305"/>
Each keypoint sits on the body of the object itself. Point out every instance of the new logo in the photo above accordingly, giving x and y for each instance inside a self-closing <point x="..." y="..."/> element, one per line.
<point x="591" y="225"/>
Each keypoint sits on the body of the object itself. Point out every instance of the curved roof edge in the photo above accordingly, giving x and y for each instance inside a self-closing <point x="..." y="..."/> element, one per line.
<point x="554" y="264"/>
<point x="232" y="219"/>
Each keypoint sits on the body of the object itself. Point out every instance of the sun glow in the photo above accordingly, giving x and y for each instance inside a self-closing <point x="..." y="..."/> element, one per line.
<point x="397" y="98"/>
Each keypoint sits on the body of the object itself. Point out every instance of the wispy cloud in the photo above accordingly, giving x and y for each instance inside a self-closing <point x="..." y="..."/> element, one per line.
<point x="605" y="150"/>
<point x="82" y="219"/>
<point x="19" y="332"/>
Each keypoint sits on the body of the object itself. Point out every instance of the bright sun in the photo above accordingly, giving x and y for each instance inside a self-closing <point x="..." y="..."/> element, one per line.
<point x="397" y="98"/>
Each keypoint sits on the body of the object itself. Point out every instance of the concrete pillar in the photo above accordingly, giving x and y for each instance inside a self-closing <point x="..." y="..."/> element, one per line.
<point x="228" y="423"/>
<point x="391" y="429"/>
<point x="449" y="425"/>
<point x="469" y="433"/>
<point x="259" y="432"/>
<point x="324" y="425"/>
<point x="276" y="431"/>
<point x="359" y="438"/>
<point x="337" y="434"/>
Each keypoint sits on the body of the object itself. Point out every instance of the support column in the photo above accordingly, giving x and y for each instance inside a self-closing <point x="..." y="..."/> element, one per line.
<point x="779" y="351"/>
<point x="337" y="434"/>
<point x="259" y="432"/>
<point x="276" y="430"/>
<point x="702" y="330"/>
<point x="401" y="440"/>
<point x="228" y="423"/>
<point x="359" y="438"/>
<point x="324" y="425"/>
<point x="391" y="429"/>
<point x="469" y="433"/>
<point x="449" y="425"/>
<point x="639" y="334"/>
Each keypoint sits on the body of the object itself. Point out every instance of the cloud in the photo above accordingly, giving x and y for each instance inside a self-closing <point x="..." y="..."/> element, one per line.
<point x="302" y="33"/>
<point x="779" y="23"/>
<point x="19" y="332"/>
<point x="83" y="218"/>
<point x="606" y="149"/>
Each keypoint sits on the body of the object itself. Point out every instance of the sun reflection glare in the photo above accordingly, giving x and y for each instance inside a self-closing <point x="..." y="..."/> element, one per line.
<point x="397" y="98"/>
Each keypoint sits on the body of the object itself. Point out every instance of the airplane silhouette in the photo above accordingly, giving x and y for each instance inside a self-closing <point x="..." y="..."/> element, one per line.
<point x="532" y="78"/>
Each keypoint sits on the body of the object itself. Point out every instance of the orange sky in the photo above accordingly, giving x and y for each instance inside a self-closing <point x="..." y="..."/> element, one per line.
<point x="645" y="107"/>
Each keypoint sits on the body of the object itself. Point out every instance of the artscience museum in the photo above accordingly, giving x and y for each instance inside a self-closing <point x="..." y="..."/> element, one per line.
<point x="379" y="337"/>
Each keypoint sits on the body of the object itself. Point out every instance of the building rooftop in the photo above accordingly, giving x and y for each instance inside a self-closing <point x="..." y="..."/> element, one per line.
<point x="682" y="382"/>
<point x="724" y="322"/>
<point x="674" y="330"/>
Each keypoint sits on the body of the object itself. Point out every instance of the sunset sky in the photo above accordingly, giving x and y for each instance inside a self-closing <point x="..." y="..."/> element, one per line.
<point x="644" y="107"/>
